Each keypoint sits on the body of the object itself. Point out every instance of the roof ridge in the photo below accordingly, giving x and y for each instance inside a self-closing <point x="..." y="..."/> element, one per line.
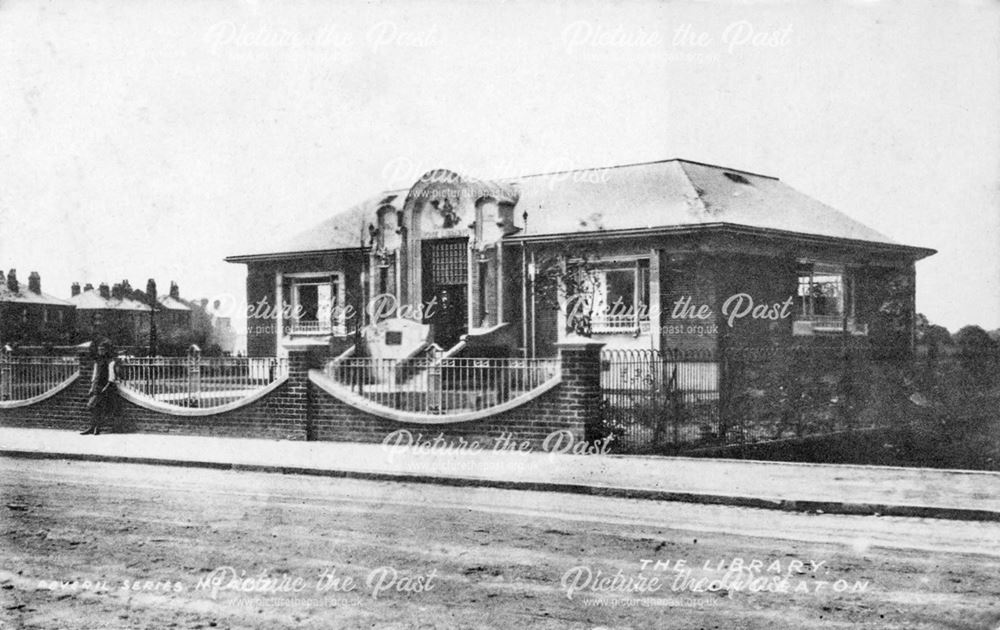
<point x="698" y="192"/>
<point x="631" y="164"/>
<point x="511" y="178"/>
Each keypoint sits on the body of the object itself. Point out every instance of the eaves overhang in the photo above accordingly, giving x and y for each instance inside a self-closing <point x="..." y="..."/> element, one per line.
<point x="916" y="253"/>
<point x="250" y="258"/>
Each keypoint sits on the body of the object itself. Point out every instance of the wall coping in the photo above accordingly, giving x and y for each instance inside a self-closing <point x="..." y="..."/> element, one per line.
<point x="14" y="404"/>
<point x="154" y="405"/>
<point x="361" y="403"/>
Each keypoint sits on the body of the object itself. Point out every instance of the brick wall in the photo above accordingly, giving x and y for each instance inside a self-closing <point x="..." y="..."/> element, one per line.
<point x="572" y="405"/>
<point x="279" y="415"/>
<point x="65" y="410"/>
<point x="681" y="277"/>
<point x="298" y="410"/>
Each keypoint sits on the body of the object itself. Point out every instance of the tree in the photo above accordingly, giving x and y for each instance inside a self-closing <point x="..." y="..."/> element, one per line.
<point x="974" y="339"/>
<point x="937" y="335"/>
<point x="976" y="350"/>
<point x="564" y="280"/>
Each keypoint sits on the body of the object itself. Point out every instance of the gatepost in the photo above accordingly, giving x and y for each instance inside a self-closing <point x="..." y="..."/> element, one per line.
<point x="580" y="390"/>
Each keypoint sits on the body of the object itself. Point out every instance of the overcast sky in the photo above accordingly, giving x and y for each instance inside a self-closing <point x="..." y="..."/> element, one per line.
<point x="151" y="139"/>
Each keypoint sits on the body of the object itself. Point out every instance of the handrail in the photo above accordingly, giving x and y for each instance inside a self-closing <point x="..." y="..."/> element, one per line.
<point x="455" y="349"/>
<point x="337" y="360"/>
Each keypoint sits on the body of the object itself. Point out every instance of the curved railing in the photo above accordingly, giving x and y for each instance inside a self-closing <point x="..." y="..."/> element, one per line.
<point x="198" y="386"/>
<point x="437" y="390"/>
<point x="29" y="380"/>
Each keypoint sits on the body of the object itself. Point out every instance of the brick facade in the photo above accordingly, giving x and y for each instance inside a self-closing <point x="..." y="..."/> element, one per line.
<point x="261" y="288"/>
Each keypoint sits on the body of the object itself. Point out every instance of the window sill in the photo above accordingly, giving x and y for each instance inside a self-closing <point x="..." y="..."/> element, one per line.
<point x="312" y="331"/>
<point x="808" y="327"/>
<point x="626" y="327"/>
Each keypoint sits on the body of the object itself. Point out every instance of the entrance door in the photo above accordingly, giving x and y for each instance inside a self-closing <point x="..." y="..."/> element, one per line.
<point x="445" y="280"/>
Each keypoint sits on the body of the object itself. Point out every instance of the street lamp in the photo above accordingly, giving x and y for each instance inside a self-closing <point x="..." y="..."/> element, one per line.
<point x="153" y="303"/>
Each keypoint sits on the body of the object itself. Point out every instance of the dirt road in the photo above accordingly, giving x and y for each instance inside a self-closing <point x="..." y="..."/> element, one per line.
<point x="87" y="545"/>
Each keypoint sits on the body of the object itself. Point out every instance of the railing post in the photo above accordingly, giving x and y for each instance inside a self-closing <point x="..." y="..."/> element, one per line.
<point x="194" y="375"/>
<point x="6" y="388"/>
<point x="434" y="385"/>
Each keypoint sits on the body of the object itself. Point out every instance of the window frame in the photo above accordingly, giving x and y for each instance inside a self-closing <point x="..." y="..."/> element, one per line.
<point x="639" y="322"/>
<point x="316" y="278"/>
<point x="806" y="321"/>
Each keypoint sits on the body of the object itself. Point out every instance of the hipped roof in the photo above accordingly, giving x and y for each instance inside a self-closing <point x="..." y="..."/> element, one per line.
<point x="654" y="195"/>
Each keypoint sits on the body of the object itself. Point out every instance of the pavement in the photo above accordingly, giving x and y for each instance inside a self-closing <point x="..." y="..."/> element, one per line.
<point x="821" y="488"/>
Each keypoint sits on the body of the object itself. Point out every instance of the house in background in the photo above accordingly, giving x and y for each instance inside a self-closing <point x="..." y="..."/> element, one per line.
<point x="669" y="255"/>
<point x="30" y="317"/>
<point x="111" y="312"/>
<point x="173" y="321"/>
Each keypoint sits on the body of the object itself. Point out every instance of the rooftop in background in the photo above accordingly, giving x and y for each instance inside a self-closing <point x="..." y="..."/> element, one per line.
<point x="663" y="194"/>
<point x="26" y="296"/>
<point x="91" y="299"/>
<point x="172" y="304"/>
<point x="30" y="292"/>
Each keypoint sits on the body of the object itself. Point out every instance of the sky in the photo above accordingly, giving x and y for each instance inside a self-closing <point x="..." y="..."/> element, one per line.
<point x="147" y="139"/>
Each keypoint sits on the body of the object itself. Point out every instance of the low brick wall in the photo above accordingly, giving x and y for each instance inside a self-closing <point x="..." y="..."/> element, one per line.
<point x="299" y="410"/>
<point x="571" y="406"/>
<point x="281" y="414"/>
<point x="275" y="416"/>
<point x="337" y="421"/>
<point x="65" y="410"/>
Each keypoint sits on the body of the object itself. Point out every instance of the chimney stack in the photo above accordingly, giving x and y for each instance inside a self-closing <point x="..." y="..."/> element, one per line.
<point x="117" y="291"/>
<point x="175" y="291"/>
<point x="74" y="289"/>
<point x="12" y="281"/>
<point x="88" y="287"/>
<point x="35" y="283"/>
<point x="3" y="279"/>
<point x="151" y="292"/>
<point x="104" y="291"/>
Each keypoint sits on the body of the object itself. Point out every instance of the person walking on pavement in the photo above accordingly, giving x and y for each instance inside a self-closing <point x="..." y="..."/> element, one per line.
<point x="100" y="400"/>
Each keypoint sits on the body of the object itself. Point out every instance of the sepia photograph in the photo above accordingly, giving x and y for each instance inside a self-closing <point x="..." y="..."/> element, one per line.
<point x="444" y="314"/>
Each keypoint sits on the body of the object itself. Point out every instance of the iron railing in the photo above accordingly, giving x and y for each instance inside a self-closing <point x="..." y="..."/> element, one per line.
<point x="441" y="385"/>
<point x="22" y="378"/>
<point x="683" y="400"/>
<point x="651" y="399"/>
<point x="196" y="381"/>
